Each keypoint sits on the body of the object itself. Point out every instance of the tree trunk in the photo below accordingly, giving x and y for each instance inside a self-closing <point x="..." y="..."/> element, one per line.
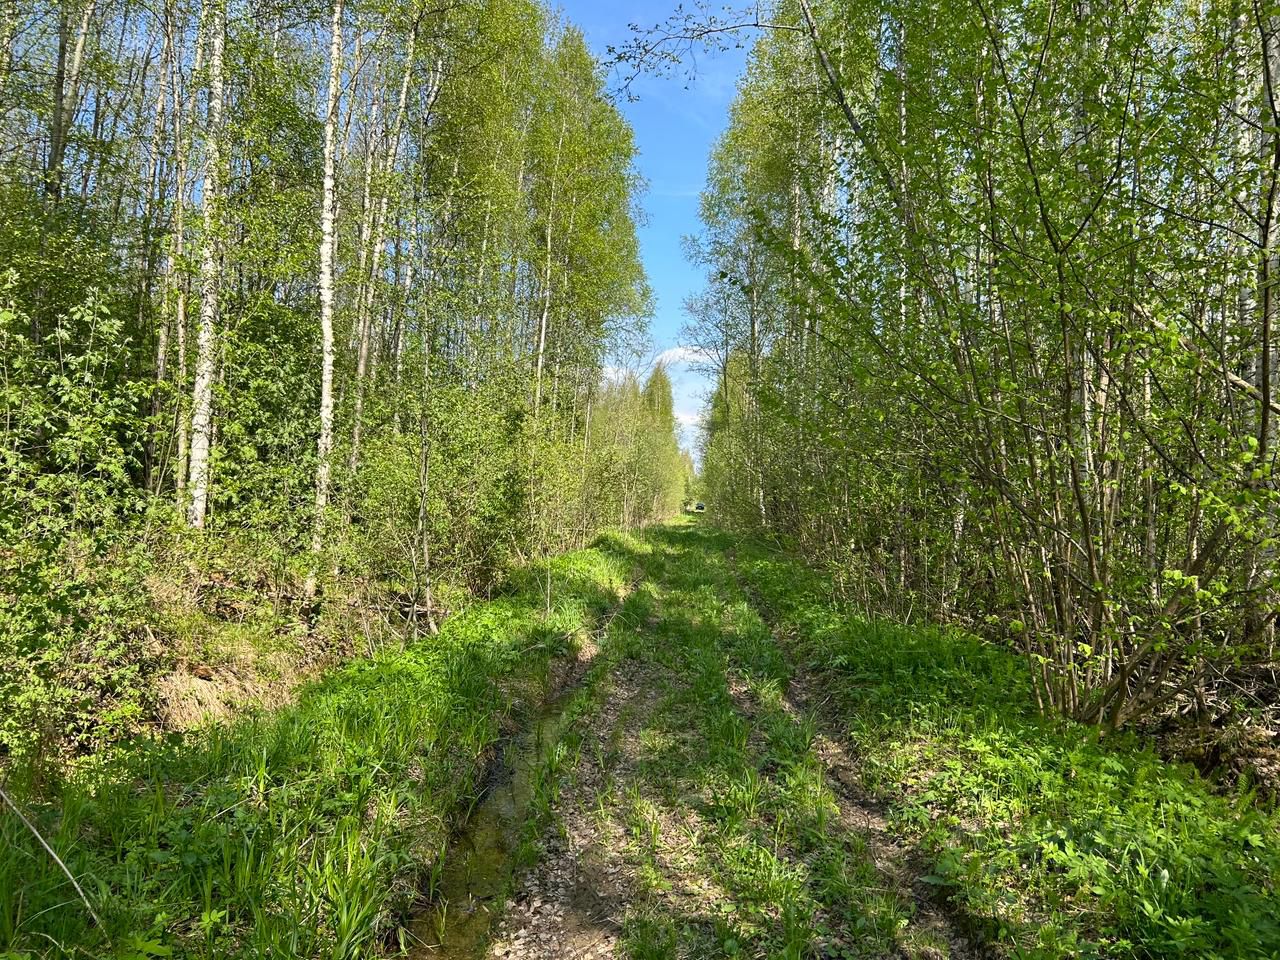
<point x="546" y="279"/>
<point x="210" y="281"/>
<point x="155" y="195"/>
<point x="328" y="245"/>
<point x="66" y="99"/>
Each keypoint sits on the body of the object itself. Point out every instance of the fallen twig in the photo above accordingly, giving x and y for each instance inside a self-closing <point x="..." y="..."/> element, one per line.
<point x="56" y="859"/>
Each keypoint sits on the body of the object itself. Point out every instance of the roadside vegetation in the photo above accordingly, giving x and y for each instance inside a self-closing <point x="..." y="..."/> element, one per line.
<point x="990" y="310"/>
<point x="1048" y="838"/>
<point x="311" y="831"/>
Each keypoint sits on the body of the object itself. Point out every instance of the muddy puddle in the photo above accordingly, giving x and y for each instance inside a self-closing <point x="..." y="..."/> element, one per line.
<point x="478" y="868"/>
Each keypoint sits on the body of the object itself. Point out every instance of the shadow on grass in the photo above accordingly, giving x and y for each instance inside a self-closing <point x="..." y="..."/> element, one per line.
<point x="306" y="831"/>
<point x="1059" y="844"/>
<point x="780" y="875"/>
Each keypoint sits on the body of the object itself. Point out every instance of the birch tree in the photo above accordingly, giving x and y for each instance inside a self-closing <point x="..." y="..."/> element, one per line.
<point x="328" y="254"/>
<point x="206" y="362"/>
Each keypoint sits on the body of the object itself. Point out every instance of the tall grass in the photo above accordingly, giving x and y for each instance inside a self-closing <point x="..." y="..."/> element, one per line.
<point x="311" y="831"/>
<point x="1055" y="843"/>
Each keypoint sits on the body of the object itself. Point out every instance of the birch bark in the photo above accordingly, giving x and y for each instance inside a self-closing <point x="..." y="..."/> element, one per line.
<point x="328" y="244"/>
<point x="546" y="279"/>
<point x="210" y="280"/>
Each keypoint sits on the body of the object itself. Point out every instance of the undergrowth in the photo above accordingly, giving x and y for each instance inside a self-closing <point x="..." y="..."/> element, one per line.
<point x="1055" y="843"/>
<point x="306" y="832"/>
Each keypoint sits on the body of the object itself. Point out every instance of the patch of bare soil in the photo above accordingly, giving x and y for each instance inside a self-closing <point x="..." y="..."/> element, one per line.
<point x="895" y="862"/>
<point x="570" y="905"/>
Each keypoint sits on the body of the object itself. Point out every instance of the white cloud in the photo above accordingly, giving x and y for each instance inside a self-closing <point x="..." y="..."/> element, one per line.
<point x="682" y="354"/>
<point x="688" y="419"/>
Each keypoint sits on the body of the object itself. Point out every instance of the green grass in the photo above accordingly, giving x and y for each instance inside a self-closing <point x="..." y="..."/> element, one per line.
<point x="1054" y="844"/>
<point x="728" y="798"/>
<point x="314" y="830"/>
<point x="311" y="831"/>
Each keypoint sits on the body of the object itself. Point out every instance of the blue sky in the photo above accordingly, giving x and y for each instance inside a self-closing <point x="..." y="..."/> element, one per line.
<point x="676" y="123"/>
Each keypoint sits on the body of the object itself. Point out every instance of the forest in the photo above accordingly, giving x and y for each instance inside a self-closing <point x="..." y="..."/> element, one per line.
<point x="362" y="596"/>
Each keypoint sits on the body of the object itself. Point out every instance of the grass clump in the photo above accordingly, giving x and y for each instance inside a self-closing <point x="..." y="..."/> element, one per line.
<point x="306" y="832"/>
<point x="1055" y="843"/>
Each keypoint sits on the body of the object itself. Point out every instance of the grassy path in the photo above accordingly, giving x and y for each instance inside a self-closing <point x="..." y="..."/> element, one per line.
<point x="822" y="785"/>
<point x="698" y="810"/>
<point x="698" y="752"/>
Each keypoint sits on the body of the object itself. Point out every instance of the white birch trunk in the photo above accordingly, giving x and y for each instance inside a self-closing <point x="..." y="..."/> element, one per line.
<point x="328" y="243"/>
<point x="155" y="196"/>
<point x="210" y="278"/>
<point x="176" y="279"/>
<point x="546" y="280"/>
<point x="68" y="99"/>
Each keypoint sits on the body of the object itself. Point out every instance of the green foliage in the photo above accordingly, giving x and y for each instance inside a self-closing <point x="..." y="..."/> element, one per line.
<point x="72" y="618"/>
<point x="1055" y="842"/>
<point x="990" y="312"/>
